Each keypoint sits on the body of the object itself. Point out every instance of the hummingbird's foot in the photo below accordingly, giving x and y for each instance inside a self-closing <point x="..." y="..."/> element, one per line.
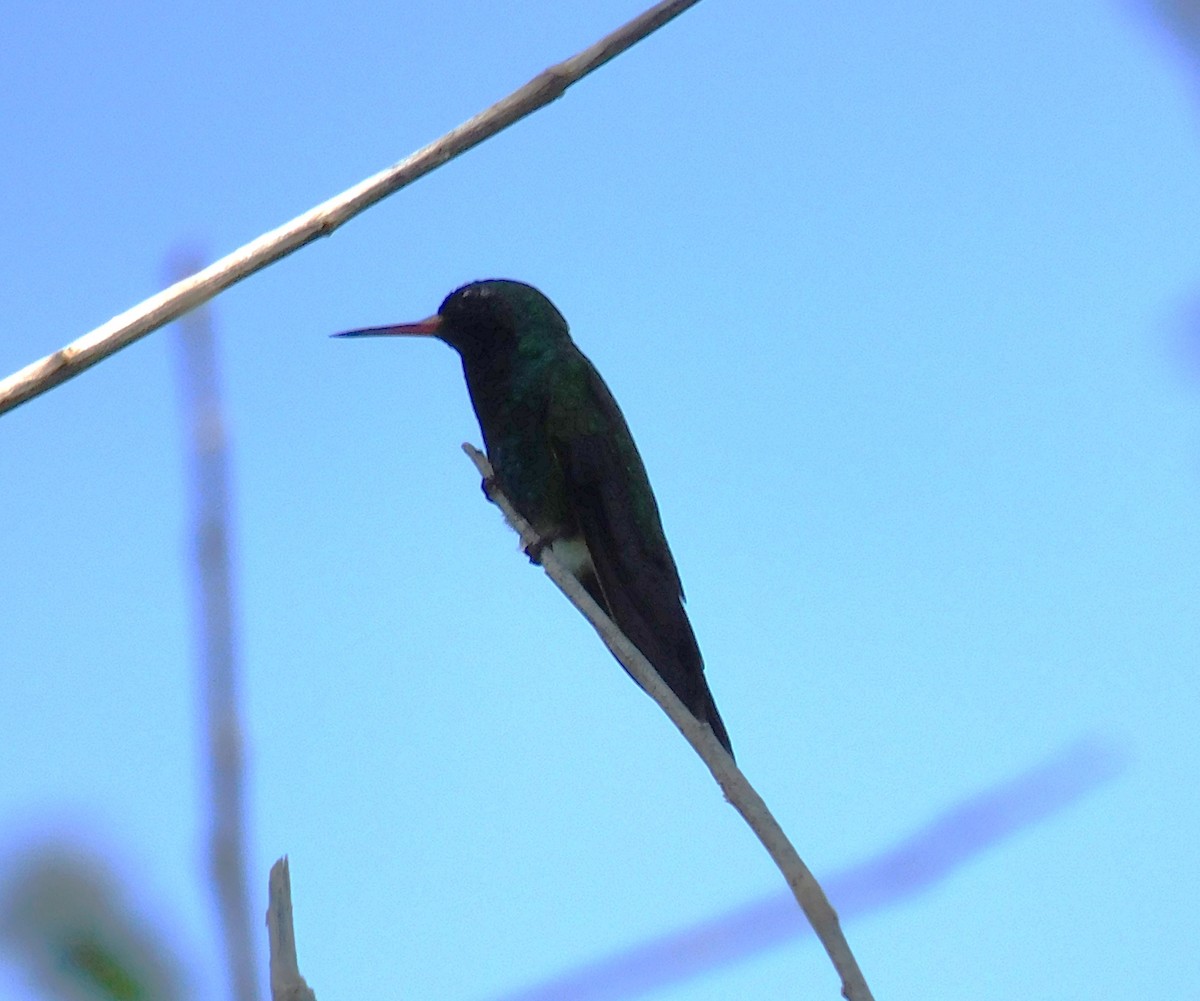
<point x="490" y="485"/>
<point x="535" y="549"/>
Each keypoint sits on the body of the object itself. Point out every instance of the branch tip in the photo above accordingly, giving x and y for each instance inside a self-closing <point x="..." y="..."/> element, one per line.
<point x="733" y="783"/>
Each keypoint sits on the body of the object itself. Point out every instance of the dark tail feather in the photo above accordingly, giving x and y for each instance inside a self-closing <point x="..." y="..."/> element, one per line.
<point x="709" y="715"/>
<point x="669" y="644"/>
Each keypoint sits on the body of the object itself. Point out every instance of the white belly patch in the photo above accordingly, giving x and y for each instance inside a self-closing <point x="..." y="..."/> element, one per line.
<point x="574" y="555"/>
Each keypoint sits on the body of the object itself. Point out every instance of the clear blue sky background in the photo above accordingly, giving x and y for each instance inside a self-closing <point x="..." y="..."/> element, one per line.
<point x="895" y="299"/>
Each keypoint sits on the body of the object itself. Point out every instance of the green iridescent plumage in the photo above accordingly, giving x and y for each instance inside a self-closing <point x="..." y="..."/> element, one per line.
<point x="563" y="454"/>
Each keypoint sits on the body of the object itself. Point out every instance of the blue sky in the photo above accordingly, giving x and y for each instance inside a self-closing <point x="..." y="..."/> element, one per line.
<point x="895" y="302"/>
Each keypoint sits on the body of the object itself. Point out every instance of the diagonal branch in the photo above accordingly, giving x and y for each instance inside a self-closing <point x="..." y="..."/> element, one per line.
<point x="733" y="783"/>
<point x="902" y="870"/>
<point x="173" y="302"/>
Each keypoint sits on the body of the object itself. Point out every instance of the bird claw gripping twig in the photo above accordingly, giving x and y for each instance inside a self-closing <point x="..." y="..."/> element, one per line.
<point x="491" y="488"/>
<point x="535" y="549"/>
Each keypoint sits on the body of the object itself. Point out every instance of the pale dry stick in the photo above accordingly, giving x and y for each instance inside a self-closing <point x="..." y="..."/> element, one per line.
<point x="286" y="982"/>
<point x="216" y="644"/>
<point x="897" y="873"/>
<point x="171" y="303"/>
<point x="736" y="787"/>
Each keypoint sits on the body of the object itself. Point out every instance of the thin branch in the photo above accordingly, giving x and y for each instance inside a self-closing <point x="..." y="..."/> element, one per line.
<point x="733" y="783"/>
<point x="170" y="304"/>
<point x="904" y="869"/>
<point x="286" y="982"/>
<point x="216" y="644"/>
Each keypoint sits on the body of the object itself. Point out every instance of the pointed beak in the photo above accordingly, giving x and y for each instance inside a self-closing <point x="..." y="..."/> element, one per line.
<point x="422" y="328"/>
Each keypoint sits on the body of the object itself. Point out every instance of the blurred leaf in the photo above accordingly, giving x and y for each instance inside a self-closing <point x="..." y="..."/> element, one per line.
<point x="66" y="920"/>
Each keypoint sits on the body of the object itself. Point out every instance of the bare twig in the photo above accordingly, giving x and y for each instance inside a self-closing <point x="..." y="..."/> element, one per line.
<point x="216" y="644"/>
<point x="900" y="871"/>
<point x="286" y="982"/>
<point x="733" y="783"/>
<point x="173" y="302"/>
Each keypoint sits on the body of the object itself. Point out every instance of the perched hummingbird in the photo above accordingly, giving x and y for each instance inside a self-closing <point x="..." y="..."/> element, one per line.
<point x="563" y="455"/>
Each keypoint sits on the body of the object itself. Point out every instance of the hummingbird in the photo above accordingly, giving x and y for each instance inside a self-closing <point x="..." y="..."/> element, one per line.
<point x="563" y="454"/>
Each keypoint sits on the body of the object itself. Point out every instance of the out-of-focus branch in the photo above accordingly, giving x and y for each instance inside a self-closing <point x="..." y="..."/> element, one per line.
<point x="901" y="870"/>
<point x="173" y="302"/>
<point x="286" y="982"/>
<point x="216" y="644"/>
<point x="733" y="783"/>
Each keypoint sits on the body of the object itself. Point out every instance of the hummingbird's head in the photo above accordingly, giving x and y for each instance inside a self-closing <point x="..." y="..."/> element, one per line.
<point x="486" y="319"/>
<point x="497" y="316"/>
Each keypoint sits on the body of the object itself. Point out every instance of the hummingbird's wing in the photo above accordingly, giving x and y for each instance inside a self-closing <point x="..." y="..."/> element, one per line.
<point x="610" y="499"/>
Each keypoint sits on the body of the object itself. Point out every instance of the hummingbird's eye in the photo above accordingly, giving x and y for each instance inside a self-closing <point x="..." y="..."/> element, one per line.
<point x="478" y="314"/>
